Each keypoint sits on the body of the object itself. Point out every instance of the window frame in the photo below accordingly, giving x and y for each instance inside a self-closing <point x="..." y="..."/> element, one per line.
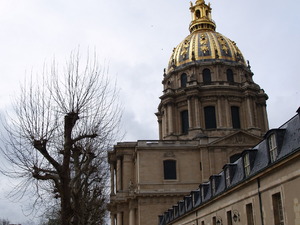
<point x="184" y="119"/>
<point x="273" y="148"/>
<point x="247" y="165"/>
<point x="210" y="118"/>
<point x="227" y="177"/>
<point x="235" y="117"/>
<point x="183" y="80"/>
<point x="172" y="166"/>
<point x="229" y="217"/>
<point x="213" y="186"/>
<point x="229" y="75"/>
<point x="249" y="214"/>
<point x="206" y="76"/>
<point x="278" y="209"/>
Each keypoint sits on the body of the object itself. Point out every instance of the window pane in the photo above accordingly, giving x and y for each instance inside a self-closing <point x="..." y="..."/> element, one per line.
<point x="272" y="147"/>
<point x="170" y="170"/>
<point x="278" y="211"/>
<point x="184" y="121"/>
<point x="235" y="116"/>
<point x="249" y="211"/>
<point x="229" y="74"/>
<point x="229" y="218"/>
<point x="214" y="220"/>
<point x="210" y="117"/>
<point x="183" y="80"/>
<point x="206" y="76"/>
<point x="228" y="179"/>
<point x="247" y="164"/>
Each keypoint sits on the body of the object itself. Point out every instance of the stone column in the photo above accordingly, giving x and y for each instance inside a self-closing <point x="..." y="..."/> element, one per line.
<point x="197" y="113"/>
<point x="119" y="218"/>
<point x="132" y="216"/>
<point x="170" y="119"/>
<point x="112" y="219"/>
<point x="250" y="113"/>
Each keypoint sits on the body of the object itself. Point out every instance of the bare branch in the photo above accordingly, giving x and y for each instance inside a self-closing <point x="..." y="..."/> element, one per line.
<point x="57" y="138"/>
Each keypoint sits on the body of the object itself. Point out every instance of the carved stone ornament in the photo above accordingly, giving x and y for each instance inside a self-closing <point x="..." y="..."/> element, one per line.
<point x="169" y="155"/>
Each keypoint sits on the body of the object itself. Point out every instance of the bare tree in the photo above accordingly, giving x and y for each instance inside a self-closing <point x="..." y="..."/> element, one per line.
<point x="4" y="222"/>
<point x="63" y="126"/>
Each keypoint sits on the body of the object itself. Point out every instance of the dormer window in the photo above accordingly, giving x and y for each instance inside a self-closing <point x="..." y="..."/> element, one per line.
<point x="248" y="160"/>
<point x="227" y="177"/>
<point x="213" y="186"/>
<point x="204" y="189"/>
<point x="229" y="170"/>
<point x="214" y="180"/>
<point x="196" y="197"/>
<point x="247" y="166"/>
<point x="272" y="147"/>
<point x="274" y="139"/>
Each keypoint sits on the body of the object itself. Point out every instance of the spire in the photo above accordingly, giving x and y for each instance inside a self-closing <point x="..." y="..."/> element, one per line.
<point x="201" y="17"/>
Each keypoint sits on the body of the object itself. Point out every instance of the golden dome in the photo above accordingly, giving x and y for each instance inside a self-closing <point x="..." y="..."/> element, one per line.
<point x="204" y="44"/>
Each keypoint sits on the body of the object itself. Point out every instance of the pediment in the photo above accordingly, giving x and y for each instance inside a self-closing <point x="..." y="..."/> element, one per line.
<point x="239" y="138"/>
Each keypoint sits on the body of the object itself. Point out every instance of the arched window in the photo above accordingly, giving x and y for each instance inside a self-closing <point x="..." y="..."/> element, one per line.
<point x="210" y="117"/>
<point x="235" y="117"/>
<point x="184" y="121"/>
<point x="206" y="76"/>
<point x="183" y="80"/>
<point x="229" y="74"/>
<point x="198" y="14"/>
<point x="170" y="170"/>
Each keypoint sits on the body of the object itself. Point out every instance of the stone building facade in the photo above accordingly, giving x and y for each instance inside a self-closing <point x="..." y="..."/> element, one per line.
<point x="210" y="111"/>
<point x="261" y="187"/>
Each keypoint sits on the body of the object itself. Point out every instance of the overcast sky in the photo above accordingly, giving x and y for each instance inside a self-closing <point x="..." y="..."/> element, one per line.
<point x="136" y="39"/>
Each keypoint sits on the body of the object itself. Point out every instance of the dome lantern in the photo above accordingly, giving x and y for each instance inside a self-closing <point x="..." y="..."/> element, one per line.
<point x="201" y="17"/>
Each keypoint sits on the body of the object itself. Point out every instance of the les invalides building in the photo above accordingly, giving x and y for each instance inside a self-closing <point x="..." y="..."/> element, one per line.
<point x="210" y="111"/>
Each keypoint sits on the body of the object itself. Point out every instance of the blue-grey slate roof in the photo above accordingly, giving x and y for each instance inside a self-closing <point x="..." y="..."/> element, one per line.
<point x="288" y="142"/>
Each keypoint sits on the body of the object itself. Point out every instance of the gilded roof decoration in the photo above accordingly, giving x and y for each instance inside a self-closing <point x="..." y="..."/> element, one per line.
<point x="205" y="46"/>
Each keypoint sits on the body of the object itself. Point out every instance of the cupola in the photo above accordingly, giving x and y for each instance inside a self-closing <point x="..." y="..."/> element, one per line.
<point x="208" y="88"/>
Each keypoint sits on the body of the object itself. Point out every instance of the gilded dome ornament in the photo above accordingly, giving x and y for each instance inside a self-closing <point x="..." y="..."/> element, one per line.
<point x="207" y="44"/>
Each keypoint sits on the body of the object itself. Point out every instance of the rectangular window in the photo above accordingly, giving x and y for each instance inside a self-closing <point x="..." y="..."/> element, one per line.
<point x="170" y="170"/>
<point x="202" y="223"/>
<point x="184" y="121"/>
<point x="247" y="165"/>
<point x="235" y="117"/>
<point x="229" y="218"/>
<point x="210" y="117"/>
<point x="277" y="209"/>
<point x="272" y="147"/>
<point x="214" y="220"/>
<point x="249" y="211"/>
